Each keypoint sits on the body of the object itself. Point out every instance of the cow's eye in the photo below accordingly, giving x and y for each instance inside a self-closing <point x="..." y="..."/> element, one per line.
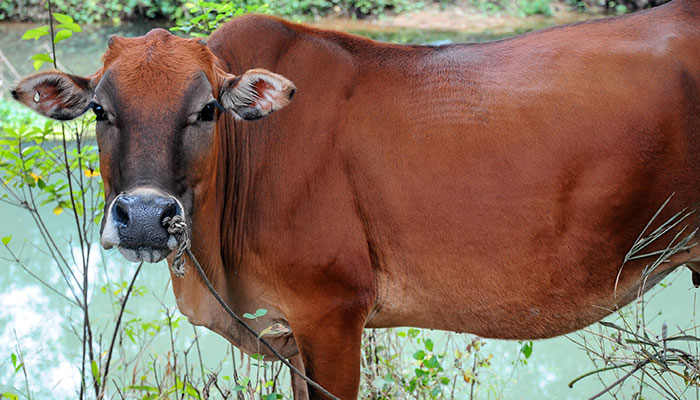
<point x="207" y="113"/>
<point x="99" y="112"/>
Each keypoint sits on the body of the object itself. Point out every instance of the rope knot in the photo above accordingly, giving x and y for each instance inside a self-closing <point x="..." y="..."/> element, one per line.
<point x="177" y="227"/>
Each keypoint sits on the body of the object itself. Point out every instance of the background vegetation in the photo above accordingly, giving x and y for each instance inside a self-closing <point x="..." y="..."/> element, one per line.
<point x="114" y="11"/>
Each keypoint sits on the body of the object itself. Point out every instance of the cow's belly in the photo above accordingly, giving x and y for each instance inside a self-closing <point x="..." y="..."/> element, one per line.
<point x="497" y="308"/>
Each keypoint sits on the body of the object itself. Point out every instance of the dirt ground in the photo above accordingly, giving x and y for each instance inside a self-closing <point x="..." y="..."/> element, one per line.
<point x="460" y="16"/>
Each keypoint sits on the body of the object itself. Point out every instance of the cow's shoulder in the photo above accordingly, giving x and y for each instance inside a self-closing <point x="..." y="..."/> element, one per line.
<point x="251" y="26"/>
<point x="313" y="58"/>
<point x="251" y="41"/>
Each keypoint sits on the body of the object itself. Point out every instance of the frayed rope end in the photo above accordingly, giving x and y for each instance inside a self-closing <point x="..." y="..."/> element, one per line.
<point x="178" y="227"/>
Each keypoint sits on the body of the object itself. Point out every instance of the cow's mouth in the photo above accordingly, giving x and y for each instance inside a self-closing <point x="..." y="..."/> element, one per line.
<point x="144" y="253"/>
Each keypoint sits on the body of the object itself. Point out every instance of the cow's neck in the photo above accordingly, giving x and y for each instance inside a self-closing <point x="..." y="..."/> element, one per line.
<point x="218" y="238"/>
<point x="193" y="297"/>
<point x="232" y="183"/>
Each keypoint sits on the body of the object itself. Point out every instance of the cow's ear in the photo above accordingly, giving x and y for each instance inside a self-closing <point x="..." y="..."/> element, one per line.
<point x="256" y="93"/>
<point x="54" y="94"/>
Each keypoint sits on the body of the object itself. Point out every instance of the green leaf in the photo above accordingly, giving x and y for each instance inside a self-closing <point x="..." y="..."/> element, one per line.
<point x="432" y="362"/>
<point x="248" y="315"/>
<point x="45" y="57"/>
<point x="63" y="34"/>
<point x="63" y="18"/>
<point x="36" y="33"/>
<point x="40" y="59"/>
<point x="192" y="391"/>
<point x="95" y="371"/>
<point x="6" y="241"/>
<point x="419" y="355"/>
<point x="429" y="344"/>
<point x="71" y="27"/>
<point x="527" y="349"/>
<point x="261" y="312"/>
<point x="14" y="356"/>
<point x="9" y="396"/>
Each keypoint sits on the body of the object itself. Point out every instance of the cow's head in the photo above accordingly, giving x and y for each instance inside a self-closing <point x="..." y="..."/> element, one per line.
<point x="156" y="99"/>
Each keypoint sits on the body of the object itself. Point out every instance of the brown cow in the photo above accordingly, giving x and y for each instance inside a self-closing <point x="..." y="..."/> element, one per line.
<point x="485" y="188"/>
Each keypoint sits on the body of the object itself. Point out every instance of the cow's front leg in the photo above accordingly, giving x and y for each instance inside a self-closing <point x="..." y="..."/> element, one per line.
<point x="330" y="349"/>
<point x="299" y="388"/>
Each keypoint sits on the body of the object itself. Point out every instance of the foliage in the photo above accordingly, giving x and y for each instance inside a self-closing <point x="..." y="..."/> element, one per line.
<point x="115" y="11"/>
<point x="618" y="6"/>
<point x="92" y="11"/>
<point x="435" y="370"/>
<point x="13" y="115"/>
<point x="204" y="17"/>
<point x="627" y="352"/>
<point x="522" y="8"/>
<point x="533" y="7"/>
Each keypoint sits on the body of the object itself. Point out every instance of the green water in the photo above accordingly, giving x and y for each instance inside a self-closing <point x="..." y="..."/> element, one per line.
<point x="41" y="319"/>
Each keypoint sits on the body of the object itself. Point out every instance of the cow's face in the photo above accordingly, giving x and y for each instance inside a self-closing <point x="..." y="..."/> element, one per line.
<point x="156" y="99"/>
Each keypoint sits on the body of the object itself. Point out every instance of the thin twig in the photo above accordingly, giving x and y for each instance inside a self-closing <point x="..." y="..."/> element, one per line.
<point x="35" y="276"/>
<point x="199" y="351"/>
<point x="11" y="67"/>
<point x="116" y="331"/>
<point x="24" y="365"/>
<point x="619" y="381"/>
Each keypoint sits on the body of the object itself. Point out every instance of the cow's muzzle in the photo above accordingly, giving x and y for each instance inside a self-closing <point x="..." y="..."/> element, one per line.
<point x="134" y="224"/>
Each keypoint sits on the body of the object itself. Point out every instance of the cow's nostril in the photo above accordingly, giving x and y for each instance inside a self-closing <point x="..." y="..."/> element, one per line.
<point x="169" y="211"/>
<point x="121" y="215"/>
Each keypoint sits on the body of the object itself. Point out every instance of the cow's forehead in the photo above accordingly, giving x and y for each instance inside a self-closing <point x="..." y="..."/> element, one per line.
<point x="158" y="65"/>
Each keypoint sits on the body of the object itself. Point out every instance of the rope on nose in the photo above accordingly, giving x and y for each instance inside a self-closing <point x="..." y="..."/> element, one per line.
<point x="177" y="227"/>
